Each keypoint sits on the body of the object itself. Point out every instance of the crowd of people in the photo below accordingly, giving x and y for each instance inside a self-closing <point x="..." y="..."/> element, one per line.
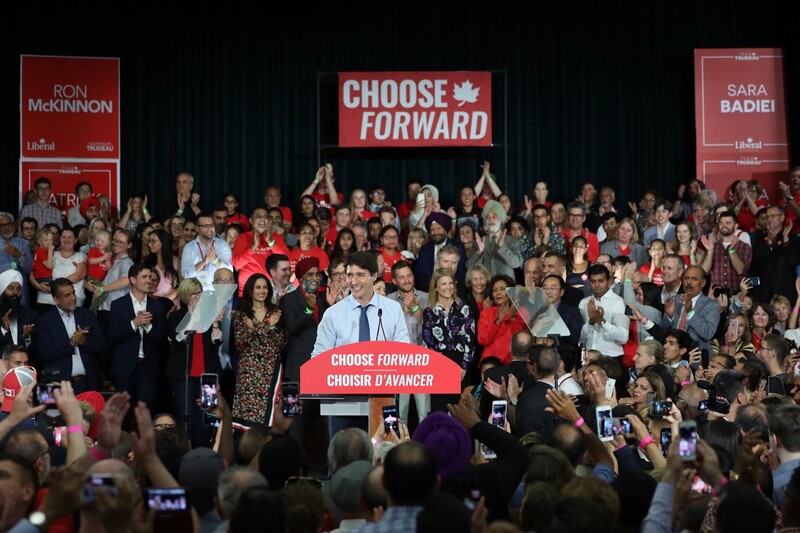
<point x="681" y="306"/>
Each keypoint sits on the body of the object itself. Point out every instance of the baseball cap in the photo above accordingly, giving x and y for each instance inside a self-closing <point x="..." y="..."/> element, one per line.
<point x="15" y="379"/>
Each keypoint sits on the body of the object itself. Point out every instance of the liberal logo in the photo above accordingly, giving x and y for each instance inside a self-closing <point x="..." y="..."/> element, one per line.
<point x="42" y="145"/>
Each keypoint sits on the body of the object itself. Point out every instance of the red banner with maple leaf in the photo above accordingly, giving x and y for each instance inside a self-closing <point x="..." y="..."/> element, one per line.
<point x="403" y="109"/>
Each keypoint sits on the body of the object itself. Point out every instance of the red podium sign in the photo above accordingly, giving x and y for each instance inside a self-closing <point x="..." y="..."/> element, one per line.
<point x="380" y="367"/>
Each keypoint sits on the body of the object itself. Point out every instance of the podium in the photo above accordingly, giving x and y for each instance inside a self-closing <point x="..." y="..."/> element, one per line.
<point x="358" y="379"/>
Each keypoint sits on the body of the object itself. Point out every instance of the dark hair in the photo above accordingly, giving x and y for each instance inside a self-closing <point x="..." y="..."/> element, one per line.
<point x="28" y="220"/>
<point x="280" y="459"/>
<point x="596" y="270"/>
<point x="57" y="284"/>
<point x="651" y="295"/>
<point x="730" y="384"/>
<point x="784" y="423"/>
<point x="561" y="281"/>
<point x="753" y="416"/>
<point x="777" y="343"/>
<point x="544" y="357"/>
<point x="259" y="509"/>
<point x="338" y="251"/>
<point x="683" y="338"/>
<point x="409" y="473"/>
<point x="728" y="214"/>
<point x="133" y="250"/>
<point x="521" y="221"/>
<point x="27" y="475"/>
<point x="246" y="303"/>
<point x="724" y="437"/>
<point x="386" y="229"/>
<point x="81" y="184"/>
<point x="496" y="278"/>
<point x="740" y="503"/>
<point x="165" y="238"/>
<point x="443" y="513"/>
<point x="205" y="214"/>
<point x="11" y="348"/>
<point x="42" y="181"/>
<point x="137" y="269"/>
<point x="399" y="266"/>
<point x="323" y="213"/>
<point x="272" y="261"/>
<point x="364" y="260"/>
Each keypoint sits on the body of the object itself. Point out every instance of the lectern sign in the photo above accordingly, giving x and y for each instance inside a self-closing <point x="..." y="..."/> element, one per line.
<point x="380" y="367"/>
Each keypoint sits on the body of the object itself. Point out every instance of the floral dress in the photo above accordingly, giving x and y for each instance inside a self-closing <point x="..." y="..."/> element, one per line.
<point x="260" y="371"/>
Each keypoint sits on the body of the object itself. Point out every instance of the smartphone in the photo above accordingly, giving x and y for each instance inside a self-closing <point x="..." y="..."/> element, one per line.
<point x="210" y="420"/>
<point x="208" y="390"/>
<point x="390" y="418"/>
<point x="660" y="409"/>
<point x="733" y="327"/>
<point x="472" y="492"/>
<point x="167" y="500"/>
<point x="703" y="405"/>
<point x="755" y="281"/>
<point x="584" y="357"/>
<point x="603" y="416"/>
<point x="704" y="358"/>
<point x="666" y="440"/>
<point x="291" y="398"/>
<point x="650" y="398"/>
<point x="421" y="200"/>
<point x="499" y="408"/>
<point x="610" y="384"/>
<point x="95" y="482"/>
<point x="687" y="445"/>
<point x="699" y="486"/>
<point x="44" y="394"/>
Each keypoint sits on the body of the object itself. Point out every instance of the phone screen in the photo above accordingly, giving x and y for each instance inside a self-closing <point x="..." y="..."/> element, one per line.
<point x="291" y="399"/>
<point x="733" y="327"/>
<point x="210" y="420"/>
<point x="208" y="391"/>
<point x="390" y="418"/>
<point x="687" y="446"/>
<point x="98" y="481"/>
<point x="161" y="500"/>
<point x="666" y="441"/>
<point x="472" y="492"/>
<point x="604" y="422"/>
<point x="499" y="413"/>
<point x="44" y="394"/>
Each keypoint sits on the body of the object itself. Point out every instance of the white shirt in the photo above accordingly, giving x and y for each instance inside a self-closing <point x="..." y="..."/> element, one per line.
<point x="137" y="308"/>
<point x="608" y="338"/>
<point x="12" y="323"/>
<point x="568" y="384"/>
<point x="69" y="323"/>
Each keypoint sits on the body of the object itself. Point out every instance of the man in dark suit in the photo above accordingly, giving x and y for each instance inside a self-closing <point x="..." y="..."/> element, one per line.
<point x="554" y="286"/>
<point x="521" y="342"/>
<point x="137" y="333"/>
<point x="69" y="341"/>
<point x="555" y="264"/>
<point x="438" y="226"/>
<point x="529" y="414"/>
<point x="301" y="311"/>
<point x="16" y="320"/>
<point x="693" y="311"/>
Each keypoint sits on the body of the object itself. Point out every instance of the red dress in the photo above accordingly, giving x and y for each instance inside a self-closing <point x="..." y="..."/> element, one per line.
<point x="496" y="338"/>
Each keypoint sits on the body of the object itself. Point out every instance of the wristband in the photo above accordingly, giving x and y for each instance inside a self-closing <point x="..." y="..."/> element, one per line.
<point x="579" y="422"/>
<point x="309" y="311"/>
<point x="180" y="211"/>
<point x="316" y="181"/>
<point x="102" y="290"/>
<point x="270" y="243"/>
<point x="732" y="250"/>
<point x="795" y="309"/>
<point x="684" y="383"/>
<point x="144" y="211"/>
<point x="620" y="447"/>
<point x="646" y="442"/>
<point x="415" y="308"/>
<point x="490" y="180"/>
<point x="628" y="281"/>
<point x="375" y="442"/>
<point x="97" y="454"/>
<point x="644" y="320"/>
<point x="75" y="429"/>
<point x="216" y="260"/>
<point x="453" y="219"/>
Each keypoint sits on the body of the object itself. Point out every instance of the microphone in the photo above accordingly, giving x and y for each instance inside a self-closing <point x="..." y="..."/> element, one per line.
<point x="380" y="325"/>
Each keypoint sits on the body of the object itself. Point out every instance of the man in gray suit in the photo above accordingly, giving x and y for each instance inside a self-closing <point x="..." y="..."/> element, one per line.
<point x="693" y="311"/>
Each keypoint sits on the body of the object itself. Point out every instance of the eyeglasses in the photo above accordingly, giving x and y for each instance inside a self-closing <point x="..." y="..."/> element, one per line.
<point x="195" y="294"/>
<point x="41" y="455"/>
<point x="390" y="237"/>
<point x="177" y="224"/>
<point x="302" y="479"/>
<point x="576" y="215"/>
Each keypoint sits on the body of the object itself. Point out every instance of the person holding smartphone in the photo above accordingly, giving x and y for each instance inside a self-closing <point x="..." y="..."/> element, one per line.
<point x="204" y="359"/>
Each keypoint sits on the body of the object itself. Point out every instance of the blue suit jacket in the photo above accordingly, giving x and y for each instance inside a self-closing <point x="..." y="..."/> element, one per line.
<point x="423" y="268"/>
<point x="571" y="316"/>
<point x="54" y="353"/>
<point x="651" y="234"/>
<point x="702" y="326"/>
<point x="125" y="339"/>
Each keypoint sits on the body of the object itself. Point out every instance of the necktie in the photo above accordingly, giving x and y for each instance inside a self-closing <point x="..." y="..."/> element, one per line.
<point x="363" y="324"/>
<point x="682" y="321"/>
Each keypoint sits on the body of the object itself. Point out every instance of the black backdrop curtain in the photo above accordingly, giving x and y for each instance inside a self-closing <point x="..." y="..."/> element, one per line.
<point x="599" y="91"/>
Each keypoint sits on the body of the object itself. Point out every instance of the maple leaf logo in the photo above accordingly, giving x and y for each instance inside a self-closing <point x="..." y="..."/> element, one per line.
<point x="465" y="93"/>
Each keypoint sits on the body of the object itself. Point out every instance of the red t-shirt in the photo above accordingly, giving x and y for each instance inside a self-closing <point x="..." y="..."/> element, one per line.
<point x="96" y="271"/>
<point x="656" y="278"/>
<point x="240" y="219"/>
<point x="390" y="261"/>
<point x="323" y="200"/>
<point x="39" y="270"/>
<point x="297" y="255"/>
<point x="248" y="261"/>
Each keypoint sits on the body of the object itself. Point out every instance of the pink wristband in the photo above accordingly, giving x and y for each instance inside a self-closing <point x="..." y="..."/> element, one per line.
<point x="646" y="442"/>
<point x="97" y="454"/>
<point x="579" y="422"/>
<point x="795" y="309"/>
<point x="684" y="383"/>
<point x="75" y="429"/>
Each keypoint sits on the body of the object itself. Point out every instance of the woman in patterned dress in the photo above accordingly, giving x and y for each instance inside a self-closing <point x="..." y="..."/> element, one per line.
<point x="448" y="328"/>
<point x="260" y="341"/>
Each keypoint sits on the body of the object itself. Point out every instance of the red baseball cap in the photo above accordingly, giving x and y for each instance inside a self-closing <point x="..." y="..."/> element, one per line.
<point x="14" y="380"/>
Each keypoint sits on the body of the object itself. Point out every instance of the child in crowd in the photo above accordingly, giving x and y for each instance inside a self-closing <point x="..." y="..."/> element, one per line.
<point x="42" y="270"/>
<point x="99" y="260"/>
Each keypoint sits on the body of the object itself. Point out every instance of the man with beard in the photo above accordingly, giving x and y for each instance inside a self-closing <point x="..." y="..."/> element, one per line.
<point x="15" y="252"/>
<point x="727" y="258"/>
<point x="205" y="254"/>
<point x="252" y="248"/>
<point x="301" y="311"/>
<point x="413" y="302"/>
<point x="437" y="225"/>
<point x="687" y="195"/>
<point x="16" y="320"/>
<point x="498" y="252"/>
<point x="775" y="258"/>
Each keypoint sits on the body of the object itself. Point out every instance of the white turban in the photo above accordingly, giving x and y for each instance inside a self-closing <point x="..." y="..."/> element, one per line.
<point x="8" y="277"/>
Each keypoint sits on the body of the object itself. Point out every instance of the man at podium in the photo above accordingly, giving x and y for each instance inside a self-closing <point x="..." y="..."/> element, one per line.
<point x="363" y="316"/>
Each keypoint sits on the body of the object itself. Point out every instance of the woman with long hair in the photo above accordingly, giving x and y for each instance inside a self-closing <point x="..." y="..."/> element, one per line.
<point x="306" y="211"/>
<point x="449" y="328"/>
<point x="359" y="207"/>
<point x="390" y="240"/>
<point x="737" y="337"/>
<point x="466" y="210"/>
<point x="578" y="266"/>
<point x="306" y="237"/>
<point x="162" y="260"/>
<point x="762" y="319"/>
<point x="135" y="213"/>
<point x="685" y="243"/>
<point x="260" y="340"/>
<point x="345" y="244"/>
<point x="203" y="359"/>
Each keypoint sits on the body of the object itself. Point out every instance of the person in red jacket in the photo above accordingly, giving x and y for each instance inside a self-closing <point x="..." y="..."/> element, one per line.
<point x="253" y="247"/>
<point x="499" y="322"/>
